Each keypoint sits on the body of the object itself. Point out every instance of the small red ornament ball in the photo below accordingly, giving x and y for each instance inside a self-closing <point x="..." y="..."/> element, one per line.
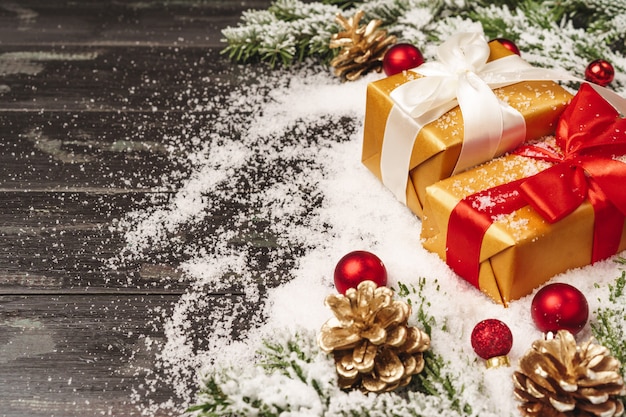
<point x="359" y="266"/>
<point x="401" y="57"/>
<point x="491" y="338"/>
<point x="559" y="306"/>
<point x="600" y="72"/>
<point x="508" y="44"/>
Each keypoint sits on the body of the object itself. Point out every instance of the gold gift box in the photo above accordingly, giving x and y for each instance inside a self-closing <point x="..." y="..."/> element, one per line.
<point x="438" y="145"/>
<point x="519" y="251"/>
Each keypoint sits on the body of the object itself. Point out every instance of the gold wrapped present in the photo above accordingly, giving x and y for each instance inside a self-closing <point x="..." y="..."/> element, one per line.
<point x="425" y="124"/>
<point x="511" y="224"/>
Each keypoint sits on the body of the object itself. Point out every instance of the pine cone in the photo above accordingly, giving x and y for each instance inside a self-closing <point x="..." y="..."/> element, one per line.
<point x="362" y="47"/>
<point x="373" y="346"/>
<point x="557" y="378"/>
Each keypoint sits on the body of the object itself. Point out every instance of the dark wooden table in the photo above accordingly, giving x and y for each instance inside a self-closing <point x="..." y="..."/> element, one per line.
<point x="89" y="89"/>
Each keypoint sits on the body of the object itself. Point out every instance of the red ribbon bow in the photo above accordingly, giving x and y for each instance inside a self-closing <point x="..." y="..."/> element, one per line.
<point x="590" y="133"/>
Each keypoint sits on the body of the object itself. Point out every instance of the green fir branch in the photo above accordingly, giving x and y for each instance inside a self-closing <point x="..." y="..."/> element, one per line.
<point x="287" y="32"/>
<point x="216" y="402"/>
<point x="285" y="362"/>
<point x="609" y="325"/>
<point x="294" y="359"/>
<point x="291" y="31"/>
<point x="426" y="320"/>
<point x="433" y="380"/>
<point x="388" y="11"/>
<point x="342" y="4"/>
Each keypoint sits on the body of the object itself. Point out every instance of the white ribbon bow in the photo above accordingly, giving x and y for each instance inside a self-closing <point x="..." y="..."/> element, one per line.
<point x="461" y="76"/>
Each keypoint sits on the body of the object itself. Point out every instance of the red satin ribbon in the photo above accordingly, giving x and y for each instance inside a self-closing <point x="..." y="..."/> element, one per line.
<point x="469" y="222"/>
<point x="590" y="133"/>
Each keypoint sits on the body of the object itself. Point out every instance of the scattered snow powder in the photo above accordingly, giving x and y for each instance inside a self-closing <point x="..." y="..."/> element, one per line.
<point x="274" y="196"/>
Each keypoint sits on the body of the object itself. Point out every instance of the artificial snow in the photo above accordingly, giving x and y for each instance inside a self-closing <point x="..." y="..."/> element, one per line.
<point x="287" y="148"/>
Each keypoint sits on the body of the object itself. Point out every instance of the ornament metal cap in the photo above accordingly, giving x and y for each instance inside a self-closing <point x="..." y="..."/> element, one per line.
<point x="497" y="362"/>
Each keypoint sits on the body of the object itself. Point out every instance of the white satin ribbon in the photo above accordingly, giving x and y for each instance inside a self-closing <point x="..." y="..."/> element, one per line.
<point x="461" y="76"/>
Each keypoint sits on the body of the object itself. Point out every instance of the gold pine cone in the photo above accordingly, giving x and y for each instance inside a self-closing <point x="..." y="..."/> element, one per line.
<point x="362" y="47"/>
<point x="558" y="378"/>
<point x="373" y="347"/>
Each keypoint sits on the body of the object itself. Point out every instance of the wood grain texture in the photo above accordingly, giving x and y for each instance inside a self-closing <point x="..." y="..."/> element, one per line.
<point x="100" y="102"/>
<point x="91" y="151"/>
<point x="108" y="22"/>
<point x="153" y="79"/>
<point x="65" y="241"/>
<point x="82" y="355"/>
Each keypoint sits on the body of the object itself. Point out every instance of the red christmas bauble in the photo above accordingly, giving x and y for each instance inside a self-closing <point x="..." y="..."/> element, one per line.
<point x="401" y="57"/>
<point x="559" y="306"/>
<point x="359" y="266"/>
<point x="600" y="72"/>
<point x="508" y="44"/>
<point x="491" y="338"/>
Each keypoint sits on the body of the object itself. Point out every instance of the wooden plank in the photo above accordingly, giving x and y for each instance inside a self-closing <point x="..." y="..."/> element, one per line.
<point x="71" y="161"/>
<point x="69" y="242"/>
<point x="87" y="355"/>
<point x="101" y="100"/>
<point x="61" y="125"/>
<point x="113" y="79"/>
<point x="109" y="22"/>
<point x="66" y="242"/>
<point x="101" y="151"/>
